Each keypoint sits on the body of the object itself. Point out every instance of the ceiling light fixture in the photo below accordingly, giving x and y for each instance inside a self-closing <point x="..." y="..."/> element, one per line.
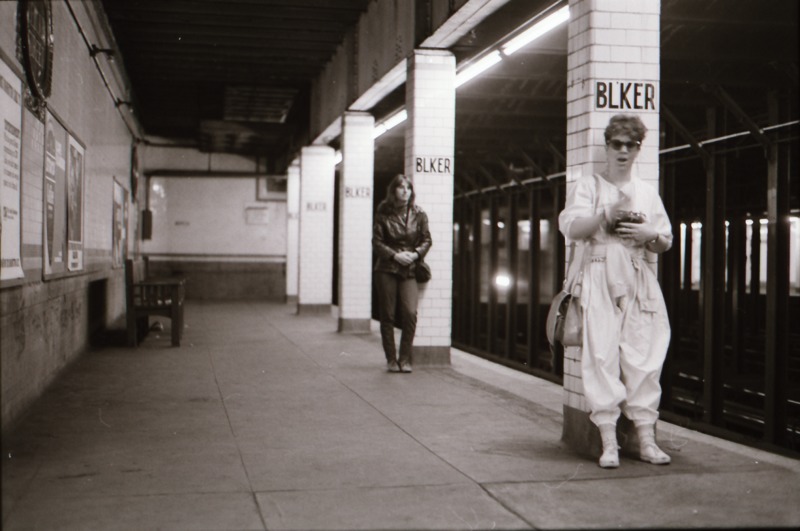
<point x="475" y="68"/>
<point x="389" y="123"/>
<point x="478" y="67"/>
<point x="537" y="30"/>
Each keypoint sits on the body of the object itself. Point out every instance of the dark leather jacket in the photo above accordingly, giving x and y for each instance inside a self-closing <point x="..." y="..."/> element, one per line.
<point x="399" y="229"/>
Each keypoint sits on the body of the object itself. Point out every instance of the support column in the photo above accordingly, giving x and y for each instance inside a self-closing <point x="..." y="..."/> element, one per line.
<point x="355" y="222"/>
<point x="429" y="150"/>
<point x="612" y="67"/>
<point x="292" y="230"/>
<point x="315" y="270"/>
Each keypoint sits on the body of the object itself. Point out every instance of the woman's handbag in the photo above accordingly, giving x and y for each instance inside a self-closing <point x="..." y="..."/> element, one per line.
<point x="565" y="318"/>
<point x="422" y="271"/>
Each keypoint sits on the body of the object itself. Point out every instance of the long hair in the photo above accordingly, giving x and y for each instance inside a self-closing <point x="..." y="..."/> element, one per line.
<point x="394" y="184"/>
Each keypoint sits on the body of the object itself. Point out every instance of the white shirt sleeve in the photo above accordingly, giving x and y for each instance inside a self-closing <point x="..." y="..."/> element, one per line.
<point x="580" y="204"/>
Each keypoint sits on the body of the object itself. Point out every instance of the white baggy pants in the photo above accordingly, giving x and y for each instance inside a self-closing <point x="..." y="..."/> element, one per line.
<point x="626" y="334"/>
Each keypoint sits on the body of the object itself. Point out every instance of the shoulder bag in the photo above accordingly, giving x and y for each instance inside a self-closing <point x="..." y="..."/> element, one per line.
<point x="422" y="271"/>
<point x="565" y="318"/>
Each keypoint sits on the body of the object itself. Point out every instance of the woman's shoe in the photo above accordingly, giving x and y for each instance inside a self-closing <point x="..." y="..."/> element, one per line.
<point x="392" y="366"/>
<point x="610" y="457"/>
<point x="405" y="367"/>
<point x="648" y="449"/>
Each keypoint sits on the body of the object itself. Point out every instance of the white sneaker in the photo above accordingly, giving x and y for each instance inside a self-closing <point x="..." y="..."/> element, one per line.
<point x="610" y="457"/>
<point x="651" y="453"/>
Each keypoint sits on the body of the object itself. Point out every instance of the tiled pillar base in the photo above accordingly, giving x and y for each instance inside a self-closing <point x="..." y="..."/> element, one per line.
<point x="582" y="436"/>
<point x="426" y="356"/>
<point x="313" y="309"/>
<point x="354" y="326"/>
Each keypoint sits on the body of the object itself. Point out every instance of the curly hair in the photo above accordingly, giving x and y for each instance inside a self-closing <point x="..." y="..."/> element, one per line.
<point x="626" y="124"/>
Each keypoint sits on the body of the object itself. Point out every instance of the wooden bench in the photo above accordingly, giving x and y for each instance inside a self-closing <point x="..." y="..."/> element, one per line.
<point x="162" y="296"/>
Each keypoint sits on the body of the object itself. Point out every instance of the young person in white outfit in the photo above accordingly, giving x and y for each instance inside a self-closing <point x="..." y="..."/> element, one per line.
<point x="626" y="331"/>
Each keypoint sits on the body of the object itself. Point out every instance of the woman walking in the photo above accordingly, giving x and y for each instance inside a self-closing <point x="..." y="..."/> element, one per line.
<point x="626" y="332"/>
<point x="400" y="238"/>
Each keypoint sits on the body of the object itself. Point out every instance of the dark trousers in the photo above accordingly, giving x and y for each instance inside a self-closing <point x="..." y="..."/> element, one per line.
<point x="396" y="294"/>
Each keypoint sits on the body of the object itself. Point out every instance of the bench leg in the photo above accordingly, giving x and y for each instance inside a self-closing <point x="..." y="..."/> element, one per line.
<point x="132" y="332"/>
<point x="137" y="327"/>
<point x="176" y="321"/>
<point x="142" y="328"/>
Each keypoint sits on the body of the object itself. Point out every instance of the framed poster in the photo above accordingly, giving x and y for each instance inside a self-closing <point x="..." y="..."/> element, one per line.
<point x="54" y="226"/>
<point x="75" y="184"/>
<point x="10" y="178"/>
<point x="119" y="239"/>
<point x="271" y="188"/>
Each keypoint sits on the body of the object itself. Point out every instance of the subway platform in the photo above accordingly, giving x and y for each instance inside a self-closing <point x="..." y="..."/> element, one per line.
<point x="264" y="419"/>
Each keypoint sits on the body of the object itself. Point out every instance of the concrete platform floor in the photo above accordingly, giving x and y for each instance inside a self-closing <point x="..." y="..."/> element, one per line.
<point x="263" y="419"/>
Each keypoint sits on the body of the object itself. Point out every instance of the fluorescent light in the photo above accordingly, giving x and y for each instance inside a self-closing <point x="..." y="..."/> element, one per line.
<point x="478" y="67"/>
<point x="389" y="123"/>
<point x="536" y="31"/>
<point x="395" y="119"/>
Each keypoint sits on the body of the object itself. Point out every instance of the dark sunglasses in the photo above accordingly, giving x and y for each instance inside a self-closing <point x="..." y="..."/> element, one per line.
<point x="616" y="145"/>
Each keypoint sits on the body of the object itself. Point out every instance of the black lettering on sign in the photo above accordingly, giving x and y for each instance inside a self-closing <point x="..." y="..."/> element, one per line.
<point x="316" y="207"/>
<point x="625" y="95"/>
<point x="358" y="191"/>
<point x="434" y="165"/>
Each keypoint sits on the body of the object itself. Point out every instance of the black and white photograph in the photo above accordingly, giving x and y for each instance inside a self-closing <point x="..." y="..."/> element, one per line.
<point x="399" y="264"/>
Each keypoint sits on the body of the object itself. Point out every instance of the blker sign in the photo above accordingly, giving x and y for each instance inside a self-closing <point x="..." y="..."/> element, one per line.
<point x="625" y="96"/>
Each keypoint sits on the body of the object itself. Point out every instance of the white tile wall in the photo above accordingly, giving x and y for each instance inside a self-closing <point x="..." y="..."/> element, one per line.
<point x="430" y="132"/>
<point x="620" y="43"/>
<point x="355" y="216"/>
<point x="292" y="227"/>
<point x="316" y="225"/>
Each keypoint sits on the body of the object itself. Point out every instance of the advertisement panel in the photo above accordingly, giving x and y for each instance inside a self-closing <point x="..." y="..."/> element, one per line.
<point x="75" y="184"/>
<point x="54" y="248"/>
<point x="10" y="179"/>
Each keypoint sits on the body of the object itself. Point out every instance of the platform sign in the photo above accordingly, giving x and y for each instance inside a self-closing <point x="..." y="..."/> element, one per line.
<point x="358" y="192"/>
<point x="10" y="179"/>
<point x="433" y="165"/>
<point x="625" y="96"/>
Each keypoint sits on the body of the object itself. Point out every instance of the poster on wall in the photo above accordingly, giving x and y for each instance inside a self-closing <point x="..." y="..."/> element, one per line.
<point x="54" y="248"/>
<point x="10" y="180"/>
<point x="119" y="239"/>
<point x="75" y="182"/>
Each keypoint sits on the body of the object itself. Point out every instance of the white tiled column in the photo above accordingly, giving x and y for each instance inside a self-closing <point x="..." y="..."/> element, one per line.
<point x="613" y="67"/>
<point x="429" y="149"/>
<point x="292" y="230"/>
<point x="355" y="222"/>
<point x="315" y="270"/>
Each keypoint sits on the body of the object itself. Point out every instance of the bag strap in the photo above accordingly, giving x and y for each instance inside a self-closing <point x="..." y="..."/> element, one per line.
<point x="574" y="283"/>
